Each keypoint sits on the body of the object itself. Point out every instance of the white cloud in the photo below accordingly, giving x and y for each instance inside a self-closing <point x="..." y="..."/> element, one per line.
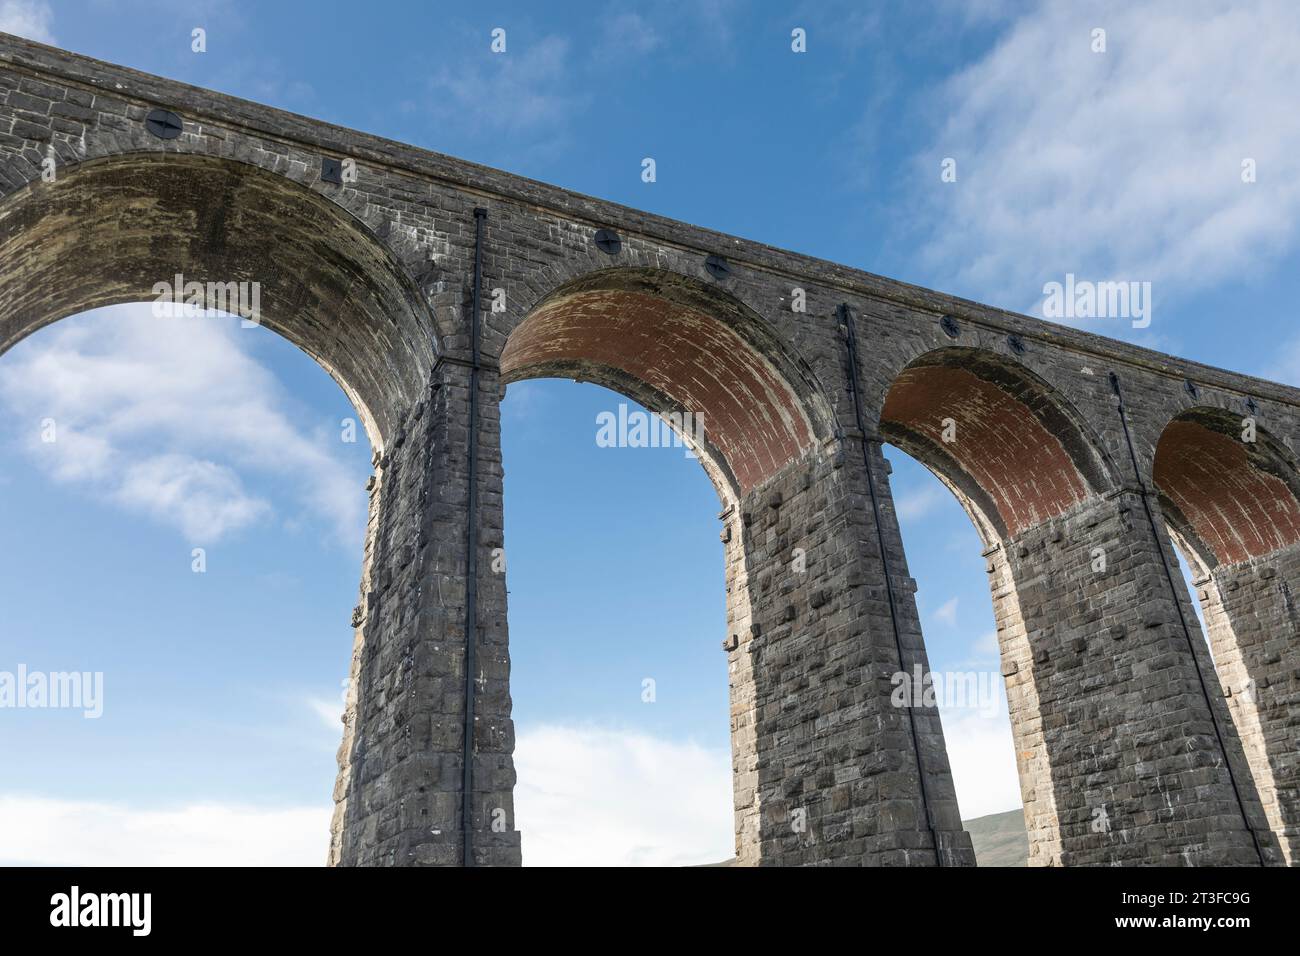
<point x="918" y="501"/>
<point x="203" y="498"/>
<point x="523" y="90"/>
<point x="982" y="653"/>
<point x="588" y="796"/>
<point x="32" y="19"/>
<point x="977" y="730"/>
<point x="585" y="796"/>
<point x="329" y="711"/>
<point x="1124" y="164"/>
<point x="593" y="797"/>
<point x="982" y="754"/>
<point x="46" y="831"/>
<point x="628" y="34"/>
<point x="165" y="417"/>
<point x="947" y="612"/>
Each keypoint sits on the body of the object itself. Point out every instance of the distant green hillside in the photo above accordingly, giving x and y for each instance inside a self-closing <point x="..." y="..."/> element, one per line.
<point x="999" y="838"/>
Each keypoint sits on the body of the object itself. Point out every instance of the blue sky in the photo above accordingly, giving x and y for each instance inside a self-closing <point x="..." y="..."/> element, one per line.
<point x="222" y="689"/>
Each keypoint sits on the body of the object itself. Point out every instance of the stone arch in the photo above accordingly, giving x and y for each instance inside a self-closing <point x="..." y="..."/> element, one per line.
<point x="1233" y="506"/>
<point x="677" y="345"/>
<point x="1019" y="454"/>
<point x="1018" y="458"/>
<point x="680" y="347"/>
<point x="107" y="230"/>
<point x="1228" y="500"/>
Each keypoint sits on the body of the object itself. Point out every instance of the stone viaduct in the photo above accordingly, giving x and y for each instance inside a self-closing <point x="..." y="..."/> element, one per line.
<point x="1082" y="461"/>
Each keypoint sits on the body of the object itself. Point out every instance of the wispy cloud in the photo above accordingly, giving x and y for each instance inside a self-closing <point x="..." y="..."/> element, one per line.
<point x="167" y="417"/>
<point x="526" y="89"/>
<point x="1125" y="164"/>
<point x="628" y="34"/>
<point x="30" y="18"/>
<point x="946" y="613"/>
<point x="522" y="102"/>
<point x="983" y="652"/>
<point x="204" y="499"/>
<point x="918" y="501"/>
<point x="33" y="19"/>
<point x="329" y="711"/>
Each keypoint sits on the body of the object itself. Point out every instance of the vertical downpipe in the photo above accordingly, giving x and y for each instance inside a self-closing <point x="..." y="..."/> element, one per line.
<point x="471" y="553"/>
<point x="1182" y="619"/>
<point x="851" y="342"/>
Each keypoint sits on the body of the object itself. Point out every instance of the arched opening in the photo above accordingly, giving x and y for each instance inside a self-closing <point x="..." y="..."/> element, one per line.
<point x="1231" y="494"/>
<point x="187" y="496"/>
<point x="211" y="231"/>
<point x="1009" y="451"/>
<point x="713" y="372"/>
<point x="944" y="556"/>
<point x="110" y="231"/>
<point x="677" y="348"/>
<point x="1229" y="490"/>
<point x="618" y="686"/>
<point x="1018" y="460"/>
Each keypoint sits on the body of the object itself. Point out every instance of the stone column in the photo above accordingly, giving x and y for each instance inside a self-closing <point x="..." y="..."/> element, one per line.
<point x="1032" y="765"/>
<point x="398" y="796"/>
<point x="1120" y="760"/>
<point x="1254" y="626"/>
<point x="826" y="764"/>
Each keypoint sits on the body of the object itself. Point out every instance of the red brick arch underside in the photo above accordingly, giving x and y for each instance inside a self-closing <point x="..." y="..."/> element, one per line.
<point x="1229" y="499"/>
<point x="665" y="343"/>
<point x="1016" y="455"/>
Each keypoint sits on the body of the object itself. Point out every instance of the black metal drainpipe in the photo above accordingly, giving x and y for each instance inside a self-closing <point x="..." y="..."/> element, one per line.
<point x="471" y="553"/>
<point x="846" y="320"/>
<point x="1182" y="619"/>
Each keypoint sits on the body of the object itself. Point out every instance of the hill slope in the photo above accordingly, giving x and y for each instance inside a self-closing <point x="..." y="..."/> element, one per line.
<point x="999" y="838"/>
